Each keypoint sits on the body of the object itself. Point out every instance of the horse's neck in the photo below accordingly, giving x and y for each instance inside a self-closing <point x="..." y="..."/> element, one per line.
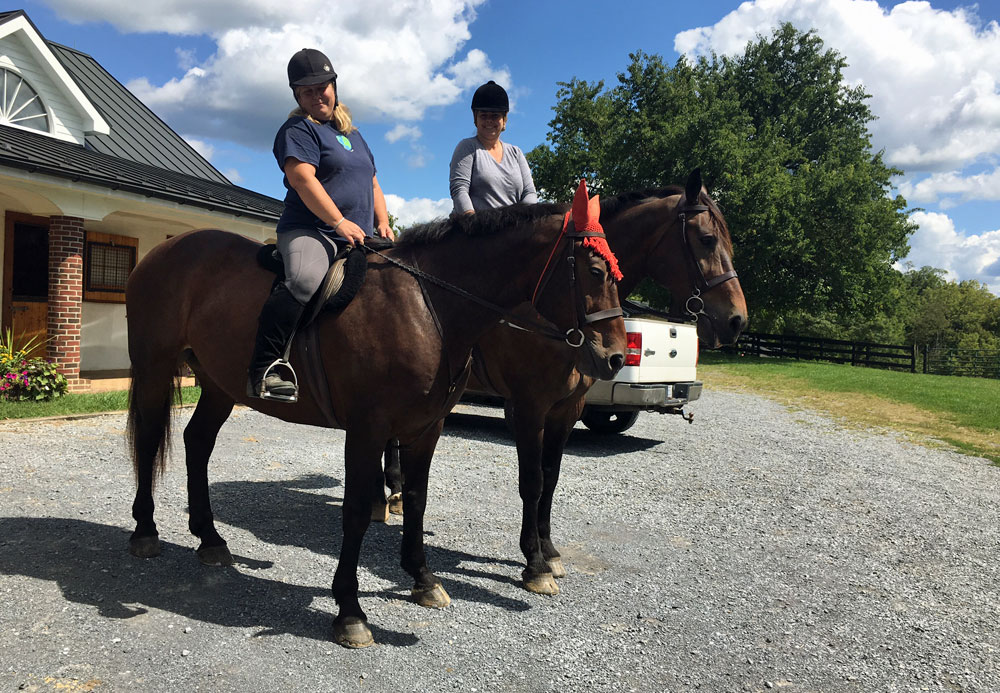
<point x="633" y="233"/>
<point x="491" y="267"/>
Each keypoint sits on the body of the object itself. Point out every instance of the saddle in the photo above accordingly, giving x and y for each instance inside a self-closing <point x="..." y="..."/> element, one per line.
<point x="340" y="285"/>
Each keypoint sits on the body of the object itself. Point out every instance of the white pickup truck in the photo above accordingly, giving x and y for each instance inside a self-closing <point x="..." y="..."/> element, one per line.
<point x="660" y="372"/>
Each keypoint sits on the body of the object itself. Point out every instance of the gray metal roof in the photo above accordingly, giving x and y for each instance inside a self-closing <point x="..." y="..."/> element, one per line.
<point x="141" y="153"/>
<point x="35" y="152"/>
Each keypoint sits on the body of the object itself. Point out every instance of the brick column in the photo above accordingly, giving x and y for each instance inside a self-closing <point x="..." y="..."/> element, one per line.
<point x="66" y="236"/>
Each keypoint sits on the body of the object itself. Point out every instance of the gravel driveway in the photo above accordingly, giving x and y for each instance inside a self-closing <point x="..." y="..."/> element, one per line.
<point x="759" y="549"/>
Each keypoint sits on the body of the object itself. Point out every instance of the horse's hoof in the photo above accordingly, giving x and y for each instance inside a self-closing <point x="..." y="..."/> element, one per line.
<point x="541" y="584"/>
<point x="556" y="566"/>
<point x="144" y="547"/>
<point x="215" y="555"/>
<point x="380" y="512"/>
<point x="352" y="632"/>
<point x="432" y="597"/>
<point x="396" y="504"/>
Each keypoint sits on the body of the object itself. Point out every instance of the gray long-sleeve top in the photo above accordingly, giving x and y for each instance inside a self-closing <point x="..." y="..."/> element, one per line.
<point x="479" y="182"/>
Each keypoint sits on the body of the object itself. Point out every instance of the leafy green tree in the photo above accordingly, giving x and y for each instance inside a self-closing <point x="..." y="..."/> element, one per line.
<point x="784" y="145"/>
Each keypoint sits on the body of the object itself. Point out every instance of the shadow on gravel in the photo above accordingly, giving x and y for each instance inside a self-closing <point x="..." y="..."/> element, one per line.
<point x="582" y="442"/>
<point x="90" y="564"/>
<point x="299" y="513"/>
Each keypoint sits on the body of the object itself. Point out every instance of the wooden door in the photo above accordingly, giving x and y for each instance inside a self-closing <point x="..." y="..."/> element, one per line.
<point x="26" y="280"/>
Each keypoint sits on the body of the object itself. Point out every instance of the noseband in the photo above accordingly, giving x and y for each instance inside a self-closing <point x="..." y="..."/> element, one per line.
<point x="695" y="305"/>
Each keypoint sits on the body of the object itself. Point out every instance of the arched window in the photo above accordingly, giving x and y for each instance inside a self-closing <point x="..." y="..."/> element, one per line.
<point x="20" y="104"/>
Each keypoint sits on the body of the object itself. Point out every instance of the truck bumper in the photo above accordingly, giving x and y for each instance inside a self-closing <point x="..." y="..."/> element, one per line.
<point x="642" y="396"/>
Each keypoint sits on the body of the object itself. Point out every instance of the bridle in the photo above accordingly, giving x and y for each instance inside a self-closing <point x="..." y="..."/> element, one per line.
<point x="536" y="323"/>
<point x="583" y="318"/>
<point x="695" y="304"/>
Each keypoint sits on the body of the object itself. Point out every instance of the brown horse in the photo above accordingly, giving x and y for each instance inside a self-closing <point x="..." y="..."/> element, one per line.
<point x="397" y="358"/>
<point x="676" y="236"/>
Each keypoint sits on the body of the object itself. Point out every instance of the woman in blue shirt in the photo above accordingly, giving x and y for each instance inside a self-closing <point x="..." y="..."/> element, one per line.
<point x="333" y="198"/>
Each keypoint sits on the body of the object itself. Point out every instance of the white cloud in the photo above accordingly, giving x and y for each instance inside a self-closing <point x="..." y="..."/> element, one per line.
<point x="937" y="243"/>
<point x="233" y="175"/>
<point x="952" y="187"/>
<point x="932" y="73"/>
<point x="417" y="209"/>
<point x="204" y="148"/>
<point x="394" y="60"/>
<point x="411" y="132"/>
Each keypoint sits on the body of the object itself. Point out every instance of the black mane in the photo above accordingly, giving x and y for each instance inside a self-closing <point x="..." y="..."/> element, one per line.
<point x="483" y="222"/>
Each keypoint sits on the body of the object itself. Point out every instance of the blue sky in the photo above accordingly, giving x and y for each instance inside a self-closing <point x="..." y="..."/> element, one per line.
<point x="215" y="72"/>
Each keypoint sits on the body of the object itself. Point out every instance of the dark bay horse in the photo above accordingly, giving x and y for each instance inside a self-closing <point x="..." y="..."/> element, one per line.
<point x="396" y="360"/>
<point x="676" y="236"/>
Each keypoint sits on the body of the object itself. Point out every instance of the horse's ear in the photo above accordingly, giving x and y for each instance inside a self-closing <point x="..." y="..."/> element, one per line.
<point x="692" y="190"/>
<point x="581" y="204"/>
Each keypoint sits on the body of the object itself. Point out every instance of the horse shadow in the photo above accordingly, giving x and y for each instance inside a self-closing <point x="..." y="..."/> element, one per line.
<point x="582" y="442"/>
<point x="90" y="564"/>
<point x="289" y="513"/>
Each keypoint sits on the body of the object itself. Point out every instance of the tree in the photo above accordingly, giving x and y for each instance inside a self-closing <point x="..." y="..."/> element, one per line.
<point x="784" y="144"/>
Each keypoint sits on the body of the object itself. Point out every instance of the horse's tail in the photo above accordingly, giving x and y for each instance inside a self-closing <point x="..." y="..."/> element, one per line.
<point x="148" y="427"/>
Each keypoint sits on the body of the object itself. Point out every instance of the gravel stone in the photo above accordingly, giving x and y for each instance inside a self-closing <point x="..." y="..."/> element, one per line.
<point x="761" y="548"/>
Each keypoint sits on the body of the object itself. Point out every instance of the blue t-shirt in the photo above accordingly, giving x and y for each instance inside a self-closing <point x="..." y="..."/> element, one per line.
<point x="344" y="167"/>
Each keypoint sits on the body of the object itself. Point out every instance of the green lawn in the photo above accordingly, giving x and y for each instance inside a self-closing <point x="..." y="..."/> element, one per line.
<point x="963" y="412"/>
<point x="84" y="403"/>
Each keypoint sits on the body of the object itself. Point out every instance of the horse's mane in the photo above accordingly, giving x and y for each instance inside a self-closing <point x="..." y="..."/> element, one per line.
<point x="615" y="205"/>
<point x="482" y="223"/>
<point x="489" y="221"/>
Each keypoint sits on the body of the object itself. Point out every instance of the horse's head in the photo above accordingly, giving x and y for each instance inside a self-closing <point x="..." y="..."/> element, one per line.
<point x="580" y="280"/>
<point x="692" y="257"/>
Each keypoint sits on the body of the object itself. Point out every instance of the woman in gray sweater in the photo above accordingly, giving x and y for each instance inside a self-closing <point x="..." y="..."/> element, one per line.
<point x="485" y="172"/>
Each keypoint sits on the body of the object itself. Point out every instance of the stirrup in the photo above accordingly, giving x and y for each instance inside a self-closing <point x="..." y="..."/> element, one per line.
<point x="265" y="394"/>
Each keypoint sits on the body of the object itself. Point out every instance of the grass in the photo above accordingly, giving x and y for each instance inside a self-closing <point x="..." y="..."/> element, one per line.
<point x="963" y="413"/>
<point x="79" y="404"/>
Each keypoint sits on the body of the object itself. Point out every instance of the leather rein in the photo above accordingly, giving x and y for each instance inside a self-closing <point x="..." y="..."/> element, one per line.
<point x="536" y="324"/>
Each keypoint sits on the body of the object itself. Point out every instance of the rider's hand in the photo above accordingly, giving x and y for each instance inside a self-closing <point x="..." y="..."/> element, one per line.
<point x="350" y="232"/>
<point x="384" y="230"/>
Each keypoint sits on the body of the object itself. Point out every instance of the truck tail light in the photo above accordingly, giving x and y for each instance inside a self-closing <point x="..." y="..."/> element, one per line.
<point x="633" y="348"/>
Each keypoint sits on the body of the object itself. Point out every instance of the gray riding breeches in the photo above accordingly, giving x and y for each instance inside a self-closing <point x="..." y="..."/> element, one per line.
<point x="307" y="254"/>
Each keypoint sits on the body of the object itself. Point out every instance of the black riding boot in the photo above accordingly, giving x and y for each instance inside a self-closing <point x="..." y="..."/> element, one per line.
<point x="278" y="318"/>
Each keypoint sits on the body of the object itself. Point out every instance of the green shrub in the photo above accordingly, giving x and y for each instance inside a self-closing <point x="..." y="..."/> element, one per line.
<point x="25" y="377"/>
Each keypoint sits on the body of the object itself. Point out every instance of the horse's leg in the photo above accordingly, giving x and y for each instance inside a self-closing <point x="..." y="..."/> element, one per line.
<point x="382" y="506"/>
<point x="394" y="477"/>
<point x="558" y="425"/>
<point x="415" y="460"/>
<point x="150" y="397"/>
<point x="528" y="433"/>
<point x="363" y="473"/>
<point x="213" y="409"/>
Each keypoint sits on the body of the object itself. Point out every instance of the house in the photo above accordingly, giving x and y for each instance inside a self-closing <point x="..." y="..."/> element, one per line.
<point x="90" y="181"/>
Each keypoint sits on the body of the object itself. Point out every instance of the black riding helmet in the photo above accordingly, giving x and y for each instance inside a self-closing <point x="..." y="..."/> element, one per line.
<point x="309" y="67"/>
<point x="490" y="97"/>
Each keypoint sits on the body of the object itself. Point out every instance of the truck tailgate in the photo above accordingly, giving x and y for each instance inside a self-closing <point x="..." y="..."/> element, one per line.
<point x="669" y="352"/>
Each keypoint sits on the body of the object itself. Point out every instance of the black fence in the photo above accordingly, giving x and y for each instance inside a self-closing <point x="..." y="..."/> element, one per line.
<point x="980" y="363"/>
<point x="868" y="354"/>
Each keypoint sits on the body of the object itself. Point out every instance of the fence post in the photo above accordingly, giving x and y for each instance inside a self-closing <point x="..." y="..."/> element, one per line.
<point x="913" y="359"/>
<point x="925" y="359"/>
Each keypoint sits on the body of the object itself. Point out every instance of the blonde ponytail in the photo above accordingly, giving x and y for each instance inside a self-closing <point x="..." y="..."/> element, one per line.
<point x="341" y="118"/>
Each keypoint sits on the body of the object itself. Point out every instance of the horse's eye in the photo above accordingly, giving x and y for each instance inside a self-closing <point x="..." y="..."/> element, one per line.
<point x="709" y="241"/>
<point x="596" y="271"/>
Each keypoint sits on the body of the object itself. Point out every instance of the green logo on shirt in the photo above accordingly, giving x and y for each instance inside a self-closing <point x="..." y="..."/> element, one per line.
<point x="346" y="143"/>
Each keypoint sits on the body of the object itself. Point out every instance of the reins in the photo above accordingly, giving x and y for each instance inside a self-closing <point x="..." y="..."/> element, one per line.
<point x="537" y="325"/>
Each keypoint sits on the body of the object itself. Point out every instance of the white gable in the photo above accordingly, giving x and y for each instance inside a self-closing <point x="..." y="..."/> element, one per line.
<point x="25" y="53"/>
